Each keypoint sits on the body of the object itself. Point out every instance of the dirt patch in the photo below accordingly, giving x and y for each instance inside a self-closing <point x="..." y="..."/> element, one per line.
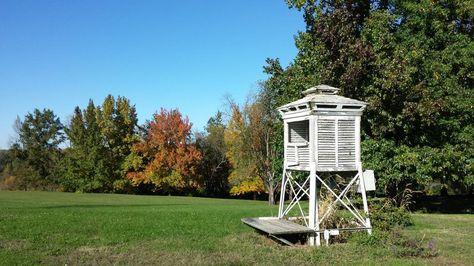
<point x="16" y="244"/>
<point x="252" y="238"/>
<point x="84" y="256"/>
<point x="151" y="253"/>
<point x="132" y="256"/>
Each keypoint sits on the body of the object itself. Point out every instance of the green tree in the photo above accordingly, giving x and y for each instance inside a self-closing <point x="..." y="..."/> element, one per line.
<point x="101" y="138"/>
<point x="87" y="165"/>
<point x="37" y="151"/>
<point x="117" y="120"/>
<point x="215" y="168"/>
<point x="413" y="63"/>
<point x="15" y="173"/>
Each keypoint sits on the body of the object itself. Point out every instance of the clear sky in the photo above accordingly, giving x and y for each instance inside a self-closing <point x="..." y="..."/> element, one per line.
<point x="173" y="54"/>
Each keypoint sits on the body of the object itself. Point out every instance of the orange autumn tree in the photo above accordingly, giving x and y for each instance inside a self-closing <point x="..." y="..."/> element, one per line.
<point x="166" y="156"/>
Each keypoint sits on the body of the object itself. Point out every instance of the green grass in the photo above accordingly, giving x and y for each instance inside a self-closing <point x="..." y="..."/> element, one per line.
<point x="83" y="229"/>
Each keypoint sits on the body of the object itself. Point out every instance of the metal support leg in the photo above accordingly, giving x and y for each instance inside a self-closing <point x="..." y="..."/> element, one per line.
<point x="314" y="239"/>
<point x="364" y="199"/>
<point x="282" y="194"/>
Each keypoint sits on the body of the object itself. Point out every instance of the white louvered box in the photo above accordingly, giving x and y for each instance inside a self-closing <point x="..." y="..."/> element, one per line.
<point x="322" y="128"/>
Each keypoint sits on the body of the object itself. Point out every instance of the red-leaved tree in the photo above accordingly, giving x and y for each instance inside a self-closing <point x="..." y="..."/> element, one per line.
<point x="166" y="156"/>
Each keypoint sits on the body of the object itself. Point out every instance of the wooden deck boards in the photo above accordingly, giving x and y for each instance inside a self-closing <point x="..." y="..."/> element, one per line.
<point x="276" y="226"/>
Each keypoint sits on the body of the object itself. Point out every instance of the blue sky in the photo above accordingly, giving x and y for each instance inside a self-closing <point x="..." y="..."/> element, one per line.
<point x="172" y="54"/>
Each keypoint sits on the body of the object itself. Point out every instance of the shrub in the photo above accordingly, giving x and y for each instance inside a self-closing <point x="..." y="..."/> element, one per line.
<point x="385" y="215"/>
<point x="8" y="182"/>
<point x="388" y="220"/>
<point x="123" y="186"/>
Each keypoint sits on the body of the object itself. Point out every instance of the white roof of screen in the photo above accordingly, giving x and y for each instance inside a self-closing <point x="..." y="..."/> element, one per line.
<point x="323" y="94"/>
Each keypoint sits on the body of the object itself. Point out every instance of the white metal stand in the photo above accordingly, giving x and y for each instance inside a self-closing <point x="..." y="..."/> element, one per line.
<point x="311" y="218"/>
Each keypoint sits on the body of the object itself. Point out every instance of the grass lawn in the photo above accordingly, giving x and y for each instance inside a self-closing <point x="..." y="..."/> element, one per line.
<point x="82" y="229"/>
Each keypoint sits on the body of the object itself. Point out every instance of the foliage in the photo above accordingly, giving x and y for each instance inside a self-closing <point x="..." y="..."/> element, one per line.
<point x="117" y="120"/>
<point x="15" y="172"/>
<point x="86" y="166"/>
<point x="249" y="185"/>
<point x="32" y="162"/>
<point x="250" y="151"/>
<point x="388" y="221"/>
<point x="101" y="138"/>
<point x="413" y="63"/>
<point x="3" y="159"/>
<point x="166" y="157"/>
<point x="402" y="166"/>
<point x="214" y="167"/>
<point x="385" y="216"/>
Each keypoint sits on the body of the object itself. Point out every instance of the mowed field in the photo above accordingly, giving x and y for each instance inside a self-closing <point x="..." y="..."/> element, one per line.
<point x="102" y="229"/>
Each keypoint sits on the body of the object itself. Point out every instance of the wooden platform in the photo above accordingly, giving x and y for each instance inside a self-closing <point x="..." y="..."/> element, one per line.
<point x="275" y="226"/>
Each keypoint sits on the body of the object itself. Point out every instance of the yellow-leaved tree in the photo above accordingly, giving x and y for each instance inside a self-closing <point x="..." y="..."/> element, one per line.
<point x="249" y="150"/>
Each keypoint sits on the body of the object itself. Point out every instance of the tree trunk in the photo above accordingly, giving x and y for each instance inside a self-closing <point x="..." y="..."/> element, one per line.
<point x="271" y="195"/>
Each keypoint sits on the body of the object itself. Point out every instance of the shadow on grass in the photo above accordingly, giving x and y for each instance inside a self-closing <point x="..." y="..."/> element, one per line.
<point x="444" y="204"/>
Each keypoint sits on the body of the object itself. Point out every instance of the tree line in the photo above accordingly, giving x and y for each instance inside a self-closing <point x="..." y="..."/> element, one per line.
<point x="412" y="61"/>
<point x="103" y="149"/>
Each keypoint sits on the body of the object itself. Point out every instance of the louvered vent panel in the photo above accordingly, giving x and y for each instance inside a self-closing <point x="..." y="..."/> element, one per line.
<point x="297" y="151"/>
<point x="290" y="155"/>
<point x="299" y="131"/>
<point x="346" y="149"/>
<point x="297" y="155"/>
<point x="326" y="142"/>
<point x="303" y="156"/>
